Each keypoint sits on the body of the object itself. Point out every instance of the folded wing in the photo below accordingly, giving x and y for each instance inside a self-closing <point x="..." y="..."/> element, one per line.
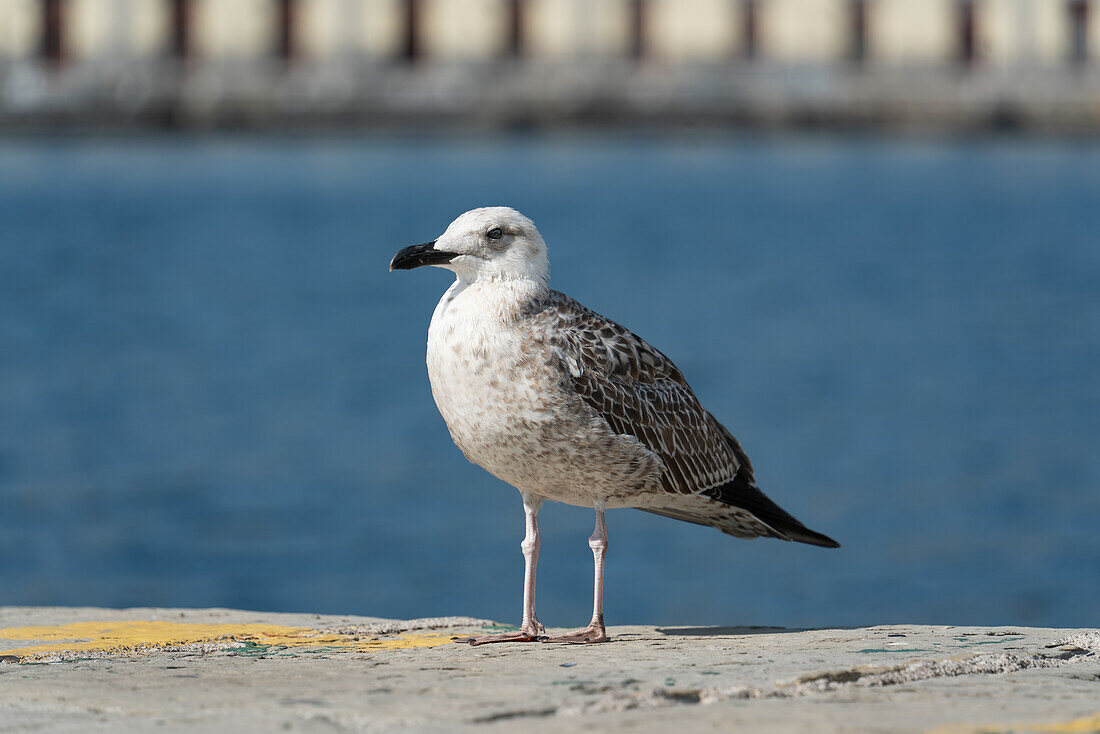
<point x="708" y="479"/>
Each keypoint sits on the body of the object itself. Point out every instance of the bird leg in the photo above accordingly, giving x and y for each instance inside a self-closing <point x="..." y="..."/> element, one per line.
<point x="595" y="631"/>
<point x="529" y="629"/>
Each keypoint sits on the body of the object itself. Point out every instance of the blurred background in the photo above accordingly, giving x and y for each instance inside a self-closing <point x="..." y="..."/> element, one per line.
<point x="954" y="64"/>
<point x="866" y="230"/>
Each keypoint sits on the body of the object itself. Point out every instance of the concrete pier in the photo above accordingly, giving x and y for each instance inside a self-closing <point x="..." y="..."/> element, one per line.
<point x="87" y="669"/>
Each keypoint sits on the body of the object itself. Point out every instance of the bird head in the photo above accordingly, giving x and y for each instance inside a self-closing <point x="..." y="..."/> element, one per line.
<point x="491" y="242"/>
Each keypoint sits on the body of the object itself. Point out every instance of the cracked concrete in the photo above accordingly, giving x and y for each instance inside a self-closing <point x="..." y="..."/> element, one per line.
<point x="225" y="670"/>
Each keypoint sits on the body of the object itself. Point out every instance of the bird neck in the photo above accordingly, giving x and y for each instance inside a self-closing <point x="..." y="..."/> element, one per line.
<point x="500" y="296"/>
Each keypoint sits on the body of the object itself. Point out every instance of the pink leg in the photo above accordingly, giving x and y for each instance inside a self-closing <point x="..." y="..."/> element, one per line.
<point x="529" y="628"/>
<point x="595" y="631"/>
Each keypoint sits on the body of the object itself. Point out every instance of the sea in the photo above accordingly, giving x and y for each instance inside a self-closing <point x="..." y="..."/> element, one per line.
<point x="213" y="392"/>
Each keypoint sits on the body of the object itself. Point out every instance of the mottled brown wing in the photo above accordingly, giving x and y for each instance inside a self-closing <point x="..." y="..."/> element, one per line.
<point x="641" y="393"/>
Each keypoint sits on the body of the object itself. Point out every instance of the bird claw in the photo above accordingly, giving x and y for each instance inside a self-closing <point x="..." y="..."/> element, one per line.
<point x="587" y="636"/>
<point x="518" y="636"/>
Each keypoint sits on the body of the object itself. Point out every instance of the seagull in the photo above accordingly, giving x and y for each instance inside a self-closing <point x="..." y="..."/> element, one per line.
<point x="567" y="405"/>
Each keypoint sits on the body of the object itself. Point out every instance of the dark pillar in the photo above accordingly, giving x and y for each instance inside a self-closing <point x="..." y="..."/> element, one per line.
<point x="1078" y="11"/>
<point x="285" y="26"/>
<point x="410" y="45"/>
<point x="179" y="39"/>
<point x="857" y="34"/>
<point x="410" y="42"/>
<point x="515" y="29"/>
<point x="52" y="46"/>
<point x="967" y="29"/>
<point x="750" y="31"/>
<point x="638" y="30"/>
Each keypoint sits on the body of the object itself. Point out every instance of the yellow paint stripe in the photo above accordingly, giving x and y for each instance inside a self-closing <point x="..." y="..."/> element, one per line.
<point x="1083" y="725"/>
<point x="146" y="636"/>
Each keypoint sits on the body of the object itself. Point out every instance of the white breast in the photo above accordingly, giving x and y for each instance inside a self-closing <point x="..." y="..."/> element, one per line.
<point x="501" y="394"/>
<point x="480" y="373"/>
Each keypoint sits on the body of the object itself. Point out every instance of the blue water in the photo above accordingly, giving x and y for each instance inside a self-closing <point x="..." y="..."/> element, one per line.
<point x="212" y="392"/>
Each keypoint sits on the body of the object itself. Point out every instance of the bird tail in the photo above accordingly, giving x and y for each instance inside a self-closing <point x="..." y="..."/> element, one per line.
<point x="743" y="493"/>
<point x="743" y="512"/>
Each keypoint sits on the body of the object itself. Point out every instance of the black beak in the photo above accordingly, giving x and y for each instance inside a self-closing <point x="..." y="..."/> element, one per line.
<point x="416" y="255"/>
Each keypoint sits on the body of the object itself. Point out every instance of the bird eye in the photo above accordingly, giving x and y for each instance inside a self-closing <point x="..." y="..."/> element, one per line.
<point x="495" y="233"/>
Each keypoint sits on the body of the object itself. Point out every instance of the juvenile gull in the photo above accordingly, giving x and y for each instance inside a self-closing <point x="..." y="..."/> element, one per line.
<point x="566" y="405"/>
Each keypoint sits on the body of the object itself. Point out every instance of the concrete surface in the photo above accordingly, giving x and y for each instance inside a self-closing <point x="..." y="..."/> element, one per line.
<point x="70" y="670"/>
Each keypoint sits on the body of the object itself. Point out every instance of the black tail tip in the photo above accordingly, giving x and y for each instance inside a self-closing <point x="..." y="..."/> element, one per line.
<point x="811" y="538"/>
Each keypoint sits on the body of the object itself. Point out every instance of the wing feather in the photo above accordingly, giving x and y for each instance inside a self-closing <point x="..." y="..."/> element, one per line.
<point x="639" y="392"/>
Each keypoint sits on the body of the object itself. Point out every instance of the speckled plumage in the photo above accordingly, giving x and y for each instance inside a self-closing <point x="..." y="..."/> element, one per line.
<point x="567" y="405"/>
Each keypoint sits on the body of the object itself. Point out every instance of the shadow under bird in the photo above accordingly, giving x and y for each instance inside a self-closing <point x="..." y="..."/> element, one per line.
<point x="566" y="405"/>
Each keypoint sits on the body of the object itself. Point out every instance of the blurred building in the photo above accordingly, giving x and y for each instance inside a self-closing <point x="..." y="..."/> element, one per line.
<point x="769" y="61"/>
